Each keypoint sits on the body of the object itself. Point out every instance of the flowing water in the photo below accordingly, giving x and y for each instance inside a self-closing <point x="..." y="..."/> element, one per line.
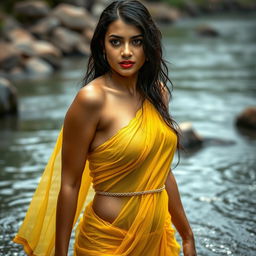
<point x="214" y="80"/>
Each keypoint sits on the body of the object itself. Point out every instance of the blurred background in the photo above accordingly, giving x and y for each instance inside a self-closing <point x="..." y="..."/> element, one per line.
<point x="211" y="53"/>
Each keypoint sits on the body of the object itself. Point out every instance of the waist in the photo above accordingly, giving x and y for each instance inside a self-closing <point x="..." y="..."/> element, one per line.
<point x="136" y="193"/>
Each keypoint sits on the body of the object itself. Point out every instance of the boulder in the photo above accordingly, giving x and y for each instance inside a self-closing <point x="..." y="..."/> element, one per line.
<point x="8" y="98"/>
<point x="9" y="56"/>
<point x="82" y="48"/>
<point x="8" y="23"/>
<point x="65" y="39"/>
<point x="31" y="9"/>
<point x="22" y="40"/>
<point x="74" y="18"/>
<point x="44" y="27"/>
<point x="207" y="31"/>
<point x="247" y="119"/>
<point x="189" y="138"/>
<point x="36" y="67"/>
<point x="87" y="34"/>
<point x="162" y="12"/>
<point x="20" y="35"/>
<point x="48" y="52"/>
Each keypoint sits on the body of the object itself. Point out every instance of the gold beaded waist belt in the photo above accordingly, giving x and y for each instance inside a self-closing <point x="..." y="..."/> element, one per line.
<point x="131" y="193"/>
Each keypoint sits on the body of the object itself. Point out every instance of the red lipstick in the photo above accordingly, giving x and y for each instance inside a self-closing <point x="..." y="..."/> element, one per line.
<point x="126" y="64"/>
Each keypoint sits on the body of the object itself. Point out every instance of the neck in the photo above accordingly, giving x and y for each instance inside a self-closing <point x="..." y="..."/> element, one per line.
<point x="123" y="84"/>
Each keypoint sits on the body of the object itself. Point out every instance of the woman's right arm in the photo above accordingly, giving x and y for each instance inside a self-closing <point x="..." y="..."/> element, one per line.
<point x="78" y="131"/>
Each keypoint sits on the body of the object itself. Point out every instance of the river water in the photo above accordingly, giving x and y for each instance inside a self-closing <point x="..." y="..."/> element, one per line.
<point x="214" y="80"/>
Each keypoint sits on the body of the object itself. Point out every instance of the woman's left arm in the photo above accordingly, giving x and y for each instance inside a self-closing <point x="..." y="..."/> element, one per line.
<point x="178" y="216"/>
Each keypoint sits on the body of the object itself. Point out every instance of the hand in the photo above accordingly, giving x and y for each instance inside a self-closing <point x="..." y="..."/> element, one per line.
<point x="189" y="248"/>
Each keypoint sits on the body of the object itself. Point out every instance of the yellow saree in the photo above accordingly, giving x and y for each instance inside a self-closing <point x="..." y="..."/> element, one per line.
<point x="136" y="158"/>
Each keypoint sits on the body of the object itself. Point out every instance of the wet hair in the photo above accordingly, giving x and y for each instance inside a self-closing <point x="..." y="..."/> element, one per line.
<point x="153" y="75"/>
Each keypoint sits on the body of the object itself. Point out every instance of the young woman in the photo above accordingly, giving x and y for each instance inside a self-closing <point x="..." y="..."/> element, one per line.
<point x="118" y="135"/>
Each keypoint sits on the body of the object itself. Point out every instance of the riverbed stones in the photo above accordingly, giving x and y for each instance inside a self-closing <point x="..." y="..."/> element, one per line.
<point x="66" y="40"/>
<point x="73" y="17"/>
<point x="207" y="31"/>
<point x="162" y="12"/>
<point x="190" y="139"/>
<point x="44" y="27"/>
<point x="247" y="119"/>
<point x="31" y="9"/>
<point x="8" y="98"/>
<point x="9" y="56"/>
<point x="36" y="67"/>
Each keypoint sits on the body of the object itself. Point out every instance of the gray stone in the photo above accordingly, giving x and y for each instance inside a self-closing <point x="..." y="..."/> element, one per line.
<point x="8" y="98"/>
<point x="44" y="27"/>
<point x="162" y="12"/>
<point x="65" y="39"/>
<point x="189" y="138"/>
<point x="72" y="17"/>
<point x="207" y="31"/>
<point x="9" y="56"/>
<point x="37" y="67"/>
<point x="31" y="9"/>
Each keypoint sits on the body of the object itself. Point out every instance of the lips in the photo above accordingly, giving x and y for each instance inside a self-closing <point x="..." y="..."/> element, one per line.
<point x="126" y="63"/>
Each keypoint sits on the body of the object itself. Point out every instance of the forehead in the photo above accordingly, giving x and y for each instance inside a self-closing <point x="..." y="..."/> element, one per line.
<point x="123" y="29"/>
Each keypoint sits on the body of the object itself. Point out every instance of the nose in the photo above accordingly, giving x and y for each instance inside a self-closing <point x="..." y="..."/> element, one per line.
<point x="126" y="51"/>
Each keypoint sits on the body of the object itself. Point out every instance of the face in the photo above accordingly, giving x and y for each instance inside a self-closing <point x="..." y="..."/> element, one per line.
<point x="124" y="48"/>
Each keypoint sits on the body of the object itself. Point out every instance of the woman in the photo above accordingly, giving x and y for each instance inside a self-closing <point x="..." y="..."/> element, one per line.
<point x="119" y="131"/>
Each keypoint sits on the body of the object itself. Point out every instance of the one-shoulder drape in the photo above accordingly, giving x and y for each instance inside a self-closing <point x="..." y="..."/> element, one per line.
<point x="136" y="158"/>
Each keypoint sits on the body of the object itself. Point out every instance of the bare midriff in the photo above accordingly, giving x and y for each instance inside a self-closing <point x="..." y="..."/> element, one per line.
<point x="107" y="207"/>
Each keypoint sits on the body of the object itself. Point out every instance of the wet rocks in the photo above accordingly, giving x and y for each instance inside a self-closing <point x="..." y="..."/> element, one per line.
<point x="36" y="67"/>
<point x="31" y="9"/>
<point x="247" y="119"/>
<point x="8" y="98"/>
<point x="162" y="12"/>
<point x="207" y="31"/>
<point x="72" y="17"/>
<point x="9" y="56"/>
<point x="190" y="139"/>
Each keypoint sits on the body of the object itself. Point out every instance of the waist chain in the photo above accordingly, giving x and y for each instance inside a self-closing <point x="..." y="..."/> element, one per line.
<point x="105" y="193"/>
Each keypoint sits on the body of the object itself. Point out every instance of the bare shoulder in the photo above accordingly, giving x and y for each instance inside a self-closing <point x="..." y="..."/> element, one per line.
<point x="91" y="96"/>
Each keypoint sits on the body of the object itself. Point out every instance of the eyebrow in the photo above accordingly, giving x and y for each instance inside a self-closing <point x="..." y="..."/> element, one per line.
<point x="120" y="37"/>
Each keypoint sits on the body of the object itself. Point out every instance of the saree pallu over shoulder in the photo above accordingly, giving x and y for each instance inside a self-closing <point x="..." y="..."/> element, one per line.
<point x="137" y="158"/>
<point x="37" y="232"/>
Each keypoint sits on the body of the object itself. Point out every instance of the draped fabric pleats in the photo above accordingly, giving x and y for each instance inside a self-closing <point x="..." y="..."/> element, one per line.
<point x="136" y="158"/>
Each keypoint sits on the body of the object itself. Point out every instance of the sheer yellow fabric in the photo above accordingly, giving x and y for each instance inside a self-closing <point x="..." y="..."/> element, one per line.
<point x="136" y="158"/>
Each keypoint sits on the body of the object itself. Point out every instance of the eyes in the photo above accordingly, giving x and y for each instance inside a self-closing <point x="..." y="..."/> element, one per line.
<point x="117" y="42"/>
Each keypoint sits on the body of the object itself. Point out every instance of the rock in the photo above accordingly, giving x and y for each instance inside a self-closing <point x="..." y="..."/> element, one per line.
<point x="37" y="67"/>
<point x="207" y="31"/>
<point x="162" y="12"/>
<point x="22" y="40"/>
<point x="72" y="17"/>
<point x="66" y="40"/>
<point x="247" y="119"/>
<point x="31" y="9"/>
<point x="9" y="23"/>
<point x="16" y="73"/>
<point x="87" y="34"/>
<point x="48" y="52"/>
<point x="44" y="27"/>
<point x="20" y="35"/>
<point x="9" y="56"/>
<point x="8" y="98"/>
<point x="42" y="48"/>
<point x="189" y="138"/>
<point x="83" y="49"/>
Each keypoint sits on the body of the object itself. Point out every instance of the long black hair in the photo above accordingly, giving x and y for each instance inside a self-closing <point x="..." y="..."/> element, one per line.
<point x="153" y="75"/>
